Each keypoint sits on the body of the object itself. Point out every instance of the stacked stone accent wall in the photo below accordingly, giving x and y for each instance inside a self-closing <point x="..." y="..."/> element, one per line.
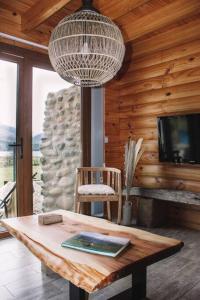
<point x="61" y="148"/>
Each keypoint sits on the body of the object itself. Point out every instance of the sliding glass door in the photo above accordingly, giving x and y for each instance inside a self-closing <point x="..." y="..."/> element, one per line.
<point x="27" y="169"/>
<point x="15" y="133"/>
<point x="9" y="149"/>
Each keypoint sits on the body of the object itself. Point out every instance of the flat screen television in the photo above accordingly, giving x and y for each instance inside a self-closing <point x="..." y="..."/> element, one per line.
<point x="179" y="139"/>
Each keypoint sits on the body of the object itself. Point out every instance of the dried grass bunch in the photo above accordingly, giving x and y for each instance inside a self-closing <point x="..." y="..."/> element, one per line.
<point x="133" y="153"/>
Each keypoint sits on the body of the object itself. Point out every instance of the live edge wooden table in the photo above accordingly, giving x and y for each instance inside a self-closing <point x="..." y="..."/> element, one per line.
<point x="86" y="272"/>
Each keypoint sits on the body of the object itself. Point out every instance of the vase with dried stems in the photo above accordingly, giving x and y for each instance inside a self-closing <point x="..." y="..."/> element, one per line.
<point x="133" y="153"/>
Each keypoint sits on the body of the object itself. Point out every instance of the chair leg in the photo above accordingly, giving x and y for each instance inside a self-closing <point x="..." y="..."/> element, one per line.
<point x="6" y="210"/>
<point x="119" y="210"/>
<point x="108" y="210"/>
<point x="78" y="207"/>
<point x="75" y="203"/>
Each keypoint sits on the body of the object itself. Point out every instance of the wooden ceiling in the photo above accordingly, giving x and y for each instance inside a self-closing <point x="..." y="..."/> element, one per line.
<point x="145" y="24"/>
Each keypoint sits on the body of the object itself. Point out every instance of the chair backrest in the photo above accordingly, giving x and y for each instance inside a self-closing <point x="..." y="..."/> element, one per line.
<point x="6" y="191"/>
<point x="103" y="175"/>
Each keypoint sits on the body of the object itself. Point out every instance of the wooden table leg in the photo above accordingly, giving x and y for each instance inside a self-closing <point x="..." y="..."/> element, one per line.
<point x="75" y="293"/>
<point x="139" y="284"/>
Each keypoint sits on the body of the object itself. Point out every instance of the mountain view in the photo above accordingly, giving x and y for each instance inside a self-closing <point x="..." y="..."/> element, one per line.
<point x="36" y="141"/>
<point x="8" y="136"/>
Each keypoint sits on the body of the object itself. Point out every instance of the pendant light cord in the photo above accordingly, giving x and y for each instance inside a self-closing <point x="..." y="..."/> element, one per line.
<point x="87" y="5"/>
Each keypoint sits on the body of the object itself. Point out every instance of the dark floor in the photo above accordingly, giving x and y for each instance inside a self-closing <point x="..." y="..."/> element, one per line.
<point x="175" y="278"/>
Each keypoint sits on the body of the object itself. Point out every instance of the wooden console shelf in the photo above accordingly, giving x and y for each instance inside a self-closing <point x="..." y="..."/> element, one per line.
<point x="167" y="195"/>
<point x="156" y="207"/>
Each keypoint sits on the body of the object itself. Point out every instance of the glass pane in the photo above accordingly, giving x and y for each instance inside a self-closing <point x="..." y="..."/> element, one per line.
<point x="46" y="87"/>
<point x="8" y="100"/>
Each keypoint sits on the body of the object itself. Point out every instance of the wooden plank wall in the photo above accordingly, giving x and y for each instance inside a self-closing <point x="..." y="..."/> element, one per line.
<point x="161" y="78"/>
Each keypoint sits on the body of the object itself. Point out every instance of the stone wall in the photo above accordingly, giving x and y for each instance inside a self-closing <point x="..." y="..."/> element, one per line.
<point x="61" y="148"/>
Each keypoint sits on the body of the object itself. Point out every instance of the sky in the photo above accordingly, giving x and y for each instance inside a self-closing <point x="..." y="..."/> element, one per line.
<point x="44" y="81"/>
<point x="8" y="84"/>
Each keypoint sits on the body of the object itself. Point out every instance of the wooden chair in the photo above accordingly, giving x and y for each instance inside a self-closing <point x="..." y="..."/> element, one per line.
<point x="98" y="184"/>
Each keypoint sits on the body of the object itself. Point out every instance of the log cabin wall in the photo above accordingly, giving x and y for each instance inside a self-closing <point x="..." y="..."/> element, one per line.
<point x="162" y="77"/>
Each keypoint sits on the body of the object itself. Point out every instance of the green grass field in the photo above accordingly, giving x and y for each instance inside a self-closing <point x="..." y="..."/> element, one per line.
<point x="6" y="173"/>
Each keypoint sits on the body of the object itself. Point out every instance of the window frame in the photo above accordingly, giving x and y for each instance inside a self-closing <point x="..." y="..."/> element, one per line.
<point x="27" y="59"/>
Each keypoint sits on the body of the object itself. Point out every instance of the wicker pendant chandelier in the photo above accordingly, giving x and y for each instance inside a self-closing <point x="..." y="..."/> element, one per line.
<point x="86" y="48"/>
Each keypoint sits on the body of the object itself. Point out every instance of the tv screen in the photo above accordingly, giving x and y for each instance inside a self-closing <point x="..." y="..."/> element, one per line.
<point x="179" y="139"/>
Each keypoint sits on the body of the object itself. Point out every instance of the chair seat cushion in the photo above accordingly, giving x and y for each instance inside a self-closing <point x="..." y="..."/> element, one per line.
<point x="95" y="189"/>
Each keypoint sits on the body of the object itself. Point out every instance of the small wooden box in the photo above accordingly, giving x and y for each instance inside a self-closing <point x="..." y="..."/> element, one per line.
<point x="48" y="219"/>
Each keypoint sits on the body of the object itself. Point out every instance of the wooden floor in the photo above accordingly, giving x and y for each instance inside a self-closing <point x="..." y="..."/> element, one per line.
<point x="175" y="278"/>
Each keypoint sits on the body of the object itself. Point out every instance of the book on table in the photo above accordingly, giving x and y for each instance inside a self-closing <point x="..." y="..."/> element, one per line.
<point x="97" y="243"/>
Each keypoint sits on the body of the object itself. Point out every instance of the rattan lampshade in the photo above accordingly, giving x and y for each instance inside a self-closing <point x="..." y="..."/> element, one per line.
<point x="86" y="48"/>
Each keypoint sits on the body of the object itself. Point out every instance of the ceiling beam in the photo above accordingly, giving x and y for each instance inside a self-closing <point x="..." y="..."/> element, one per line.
<point x="168" y="14"/>
<point x="117" y="8"/>
<point x="131" y="28"/>
<point x="40" y="12"/>
<point x="13" y="28"/>
<point x="44" y="9"/>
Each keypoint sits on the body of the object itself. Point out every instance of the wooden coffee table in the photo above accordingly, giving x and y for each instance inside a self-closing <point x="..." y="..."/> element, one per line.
<point x="90" y="272"/>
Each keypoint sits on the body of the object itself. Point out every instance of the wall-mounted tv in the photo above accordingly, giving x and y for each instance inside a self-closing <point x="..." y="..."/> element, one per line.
<point x="179" y="139"/>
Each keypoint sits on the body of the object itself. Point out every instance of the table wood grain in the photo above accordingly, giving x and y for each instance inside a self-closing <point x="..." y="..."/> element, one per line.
<point x="89" y="272"/>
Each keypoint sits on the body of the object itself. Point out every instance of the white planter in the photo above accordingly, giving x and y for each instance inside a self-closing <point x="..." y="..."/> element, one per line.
<point x="127" y="213"/>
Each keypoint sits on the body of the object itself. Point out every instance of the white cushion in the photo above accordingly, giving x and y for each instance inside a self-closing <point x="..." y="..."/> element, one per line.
<point x="95" y="189"/>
